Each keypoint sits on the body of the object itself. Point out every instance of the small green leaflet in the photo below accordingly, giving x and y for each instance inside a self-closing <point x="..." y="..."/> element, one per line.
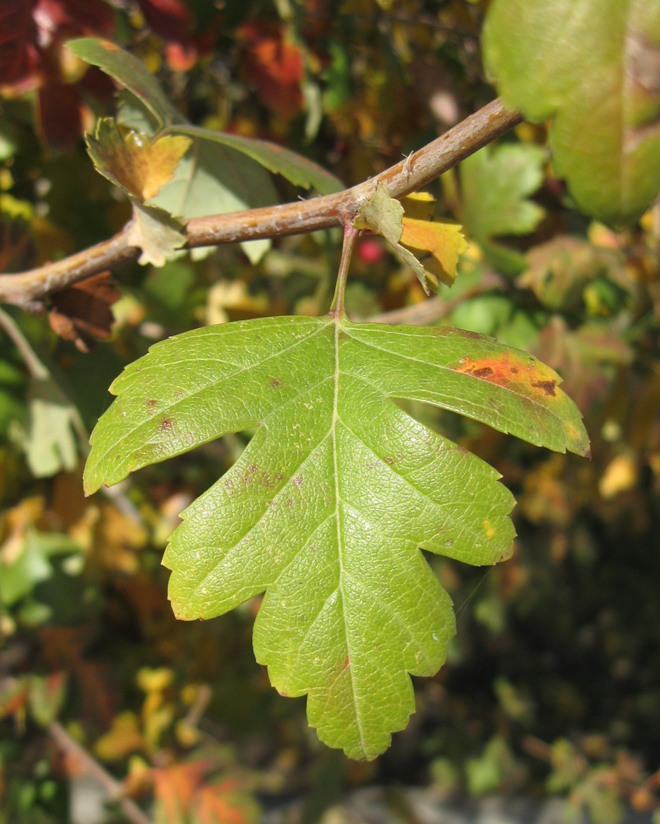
<point x="327" y="508"/>
<point x="593" y="66"/>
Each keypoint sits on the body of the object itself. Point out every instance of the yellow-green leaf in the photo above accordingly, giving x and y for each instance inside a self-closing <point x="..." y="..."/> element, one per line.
<point x="436" y="244"/>
<point x="138" y="165"/>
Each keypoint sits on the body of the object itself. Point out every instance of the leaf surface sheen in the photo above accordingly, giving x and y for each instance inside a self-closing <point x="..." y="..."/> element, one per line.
<point x="338" y="490"/>
<point x="593" y="66"/>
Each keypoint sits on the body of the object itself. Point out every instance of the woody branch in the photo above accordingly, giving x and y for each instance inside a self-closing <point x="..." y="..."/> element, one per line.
<point x="28" y="289"/>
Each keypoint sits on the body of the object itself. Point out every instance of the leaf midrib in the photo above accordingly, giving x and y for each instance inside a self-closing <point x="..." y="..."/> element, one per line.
<point x="335" y="418"/>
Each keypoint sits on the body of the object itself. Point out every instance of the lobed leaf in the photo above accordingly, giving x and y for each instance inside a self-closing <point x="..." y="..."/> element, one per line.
<point x="138" y="165"/>
<point x="594" y="67"/>
<point x="157" y="233"/>
<point x="495" y="187"/>
<point x="438" y="243"/>
<point x="330" y="503"/>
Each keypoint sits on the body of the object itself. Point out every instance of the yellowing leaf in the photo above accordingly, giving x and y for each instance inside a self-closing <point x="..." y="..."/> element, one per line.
<point x="620" y="476"/>
<point x="122" y="738"/>
<point x="440" y="242"/>
<point x="134" y="163"/>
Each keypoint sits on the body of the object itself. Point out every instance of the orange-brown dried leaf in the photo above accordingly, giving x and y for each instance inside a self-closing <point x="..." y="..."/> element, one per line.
<point x="82" y="312"/>
<point x="175" y="788"/>
<point x="226" y="803"/>
<point x="134" y="163"/>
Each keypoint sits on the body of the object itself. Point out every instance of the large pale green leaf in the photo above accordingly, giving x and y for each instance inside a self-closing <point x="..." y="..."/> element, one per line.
<point x="213" y="179"/>
<point x="330" y="503"/>
<point x="495" y="187"/>
<point x="594" y="66"/>
<point x="129" y="72"/>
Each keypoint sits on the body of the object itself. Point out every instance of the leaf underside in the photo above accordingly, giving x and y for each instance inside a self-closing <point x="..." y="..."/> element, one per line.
<point x="594" y="66"/>
<point x="328" y="507"/>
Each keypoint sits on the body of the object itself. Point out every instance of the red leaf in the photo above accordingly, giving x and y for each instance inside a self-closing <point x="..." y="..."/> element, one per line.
<point x="32" y="32"/>
<point x="59" y="115"/>
<point x="76" y="17"/>
<point x="19" y="57"/>
<point x="274" y="65"/>
<point x="171" y="19"/>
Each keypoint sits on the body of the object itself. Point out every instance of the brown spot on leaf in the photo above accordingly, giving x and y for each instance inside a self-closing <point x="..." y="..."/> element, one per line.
<point x="484" y="372"/>
<point x="275" y="383"/>
<point x="151" y="403"/>
<point x="165" y="424"/>
<point x="298" y="481"/>
<point x="547" y="386"/>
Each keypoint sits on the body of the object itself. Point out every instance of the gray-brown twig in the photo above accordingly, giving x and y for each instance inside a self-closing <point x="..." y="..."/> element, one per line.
<point x="113" y="788"/>
<point x="414" y="172"/>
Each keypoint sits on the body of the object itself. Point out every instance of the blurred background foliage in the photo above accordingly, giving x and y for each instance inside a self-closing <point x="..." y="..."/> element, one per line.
<point x="553" y="683"/>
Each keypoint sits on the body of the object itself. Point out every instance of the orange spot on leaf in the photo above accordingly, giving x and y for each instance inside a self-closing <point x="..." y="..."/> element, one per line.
<point x="521" y="373"/>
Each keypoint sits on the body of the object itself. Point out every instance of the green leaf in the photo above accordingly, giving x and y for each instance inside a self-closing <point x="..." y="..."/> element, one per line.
<point x="31" y="564"/>
<point x="156" y="232"/>
<point x="595" y="68"/>
<point x="495" y="185"/>
<point x="212" y="179"/>
<point x="559" y="270"/>
<point x="295" y="168"/>
<point x="328" y="506"/>
<point x="129" y="72"/>
<point x="53" y="425"/>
